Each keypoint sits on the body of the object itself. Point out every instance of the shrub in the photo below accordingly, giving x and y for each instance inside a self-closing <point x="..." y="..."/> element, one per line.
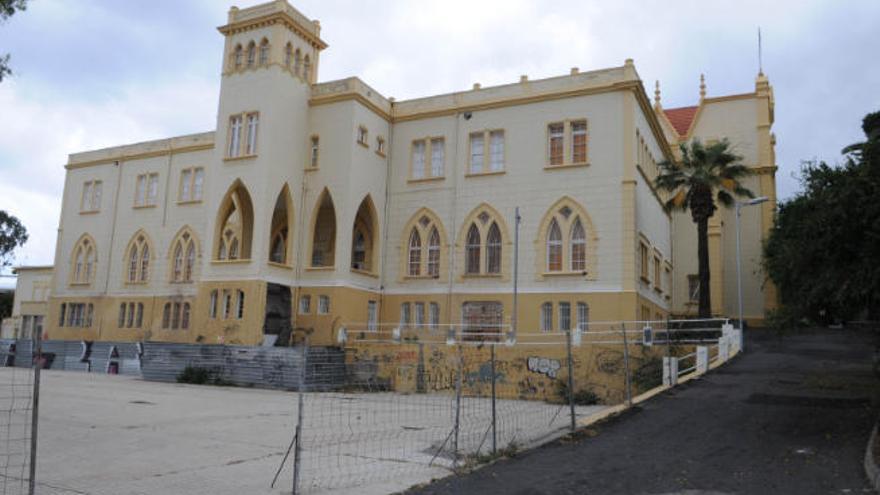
<point x="202" y="376"/>
<point x="582" y="397"/>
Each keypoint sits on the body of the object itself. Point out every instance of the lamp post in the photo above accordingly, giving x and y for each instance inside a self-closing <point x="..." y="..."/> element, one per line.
<point x="739" y="286"/>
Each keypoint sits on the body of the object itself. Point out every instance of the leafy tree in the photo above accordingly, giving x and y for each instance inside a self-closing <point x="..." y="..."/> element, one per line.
<point x="822" y="252"/>
<point x="12" y="235"/>
<point x="7" y="9"/>
<point x="704" y="173"/>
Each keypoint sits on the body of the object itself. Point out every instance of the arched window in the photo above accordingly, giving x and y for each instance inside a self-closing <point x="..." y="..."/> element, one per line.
<point x="363" y="237"/>
<point x="493" y="249"/>
<point x="264" y="52"/>
<point x="297" y="62"/>
<point x="237" y="57"/>
<point x="434" y="253"/>
<point x="578" y="247"/>
<point x="138" y="262"/>
<point x="166" y="316"/>
<point x="282" y="224"/>
<point x="472" y="250"/>
<point x="84" y="256"/>
<point x="184" y="317"/>
<point x="251" y="54"/>
<point x="324" y="234"/>
<point x="307" y="69"/>
<point x="415" y="254"/>
<point x="554" y="247"/>
<point x="139" y="319"/>
<point x="234" y="228"/>
<point x="288" y="55"/>
<point x="184" y="256"/>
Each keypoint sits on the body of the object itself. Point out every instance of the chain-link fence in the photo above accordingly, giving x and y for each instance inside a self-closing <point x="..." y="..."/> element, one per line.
<point x="411" y="404"/>
<point x="19" y="399"/>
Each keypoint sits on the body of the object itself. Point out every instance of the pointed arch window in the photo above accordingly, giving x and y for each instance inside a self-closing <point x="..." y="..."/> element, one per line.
<point x="84" y="261"/>
<point x="307" y="69"/>
<point x="237" y="57"/>
<point x="472" y="250"/>
<point x="251" y="54"/>
<point x="434" y="253"/>
<point x="288" y="55"/>
<point x="415" y="254"/>
<point x="363" y="237"/>
<point x="297" y="62"/>
<point x="324" y="234"/>
<point x="138" y="262"/>
<point x="493" y="249"/>
<point x="281" y="226"/>
<point x="279" y="247"/>
<point x="578" y="247"/>
<point x="184" y="257"/>
<point x="264" y="52"/>
<point x="554" y="247"/>
<point x="234" y="225"/>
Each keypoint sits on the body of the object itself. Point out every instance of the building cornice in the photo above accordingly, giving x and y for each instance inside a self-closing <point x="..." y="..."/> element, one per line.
<point x="140" y="151"/>
<point x="240" y="22"/>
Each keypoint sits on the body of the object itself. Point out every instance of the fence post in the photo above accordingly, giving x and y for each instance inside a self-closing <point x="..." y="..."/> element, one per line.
<point x="670" y="371"/>
<point x="494" y="418"/>
<point x="456" y="425"/>
<point x="570" y="379"/>
<point x="702" y="359"/>
<point x="37" y="364"/>
<point x="626" y="373"/>
<point x="297" y="452"/>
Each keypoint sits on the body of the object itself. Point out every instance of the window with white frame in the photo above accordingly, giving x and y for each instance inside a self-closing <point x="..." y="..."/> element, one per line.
<point x="313" y="152"/>
<point x="323" y="305"/>
<point x="239" y="313"/>
<point x="428" y="157"/>
<point x="418" y="159"/>
<point x="420" y="314"/>
<point x="554" y="247"/>
<point x="372" y="315"/>
<point x="264" y="52"/>
<point x="556" y="145"/>
<point x="564" y="316"/>
<point x="405" y="318"/>
<point x="146" y="190"/>
<point x="486" y="158"/>
<point x="212" y="306"/>
<point x="579" y="141"/>
<point x="693" y="288"/>
<point x="547" y="317"/>
<point x="76" y="315"/>
<point x="235" y="131"/>
<point x="414" y="263"/>
<point x="362" y="135"/>
<point x="496" y="151"/>
<point x="227" y="303"/>
<point x="380" y="145"/>
<point x="583" y="316"/>
<point x="91" y="196"/>
<point x="434" y="314"/>
<point x="192" y="182"/>
<point x="477" y="152"/>
<point x="437" y="156"/>
<point x="305" y="303"/>
<point x="253" y="123"/>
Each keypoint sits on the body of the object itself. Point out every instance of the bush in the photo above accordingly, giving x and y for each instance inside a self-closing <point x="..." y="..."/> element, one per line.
<point x="582" y="397"/>
<point x="201" y="376"/>
<point x="648" y="375"/>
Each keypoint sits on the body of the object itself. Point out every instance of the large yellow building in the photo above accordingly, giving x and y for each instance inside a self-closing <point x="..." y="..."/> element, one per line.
<point x="316" y="205"/>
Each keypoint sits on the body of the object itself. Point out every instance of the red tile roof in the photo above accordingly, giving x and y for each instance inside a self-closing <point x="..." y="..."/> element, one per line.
<point x="681" y="118"/>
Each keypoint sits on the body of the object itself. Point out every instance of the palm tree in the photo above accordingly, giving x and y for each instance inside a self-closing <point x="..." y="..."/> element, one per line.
<point x="704" y="173"/>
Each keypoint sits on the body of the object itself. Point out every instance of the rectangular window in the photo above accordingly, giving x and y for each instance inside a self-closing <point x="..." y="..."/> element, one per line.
<point x="643" y="259"/>
<point x="564" y="316"/>
<point x="437" y="147"/>
<point x="91" y="196"/>
<point x="482" y="320"/>
<point x="323" y="305"/>
<point x="240" y="310"/>
<point x="657" y="279"/>
<point x="547" y="317"/>
<point x="694" y="288"/>
<point x="418" y="159"/>
<point x="420" y="314"/>
<point x="496" y="151"/>
<point x="212" y="308"/>
<point x="313" y="154"/>
<point x="380" y="145"/>
<point x="579" y="141"/>
<point x="434" y="314"/>
<point x="556" y="134"/>
<point x="253" y="123"/>
<point x="147" y="190"/>
<point x="372" y="315"/>
<point x="404" y="315"/>
<point x="583" y="316"/>
<point x="477" y="153"/>
<point x="362" y="136"/>
<point x="227" y="303"/>
<point x="234" y="148"/>
<point x="191" y="184"/>
<point x="305" y="303"/>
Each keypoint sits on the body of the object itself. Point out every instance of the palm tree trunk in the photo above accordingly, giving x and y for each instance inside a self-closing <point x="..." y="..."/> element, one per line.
<point x="705" y="310"/>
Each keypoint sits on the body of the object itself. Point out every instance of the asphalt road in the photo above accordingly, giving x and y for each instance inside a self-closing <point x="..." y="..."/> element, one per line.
<point x="791" y="416"/>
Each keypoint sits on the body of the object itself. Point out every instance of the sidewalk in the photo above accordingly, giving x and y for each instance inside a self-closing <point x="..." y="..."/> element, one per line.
<point x="787" y="417"/>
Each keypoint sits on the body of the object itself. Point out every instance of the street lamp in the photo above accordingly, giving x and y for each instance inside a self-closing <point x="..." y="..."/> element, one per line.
<point x="739" y="286"/>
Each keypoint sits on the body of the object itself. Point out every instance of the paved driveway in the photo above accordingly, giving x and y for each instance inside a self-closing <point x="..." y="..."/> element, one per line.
<point x="790" y="416"/>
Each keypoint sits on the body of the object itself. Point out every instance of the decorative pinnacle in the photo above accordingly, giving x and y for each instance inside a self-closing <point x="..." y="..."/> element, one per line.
<point x="702" y="86"/>
<point x="657" y="93"/>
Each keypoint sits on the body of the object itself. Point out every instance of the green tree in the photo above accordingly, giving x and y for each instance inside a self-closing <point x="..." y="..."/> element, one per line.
<point x="12" y="235"/>
<point x="7" y="9"/>
<point x="704" y="174"/>
<point x="822" y="252"/>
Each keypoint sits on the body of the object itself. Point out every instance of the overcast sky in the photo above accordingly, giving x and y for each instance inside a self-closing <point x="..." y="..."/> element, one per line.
<point x="91" y="74"/>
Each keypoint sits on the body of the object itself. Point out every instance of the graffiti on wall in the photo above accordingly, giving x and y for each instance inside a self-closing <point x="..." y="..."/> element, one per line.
<point x="544" y="366"/>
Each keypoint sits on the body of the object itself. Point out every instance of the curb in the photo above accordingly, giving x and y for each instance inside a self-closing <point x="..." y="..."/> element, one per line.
<point x="871" y="468"/>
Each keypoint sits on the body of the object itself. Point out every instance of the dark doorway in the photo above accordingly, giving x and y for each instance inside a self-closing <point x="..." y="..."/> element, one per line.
<point x="276" y="329"/>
